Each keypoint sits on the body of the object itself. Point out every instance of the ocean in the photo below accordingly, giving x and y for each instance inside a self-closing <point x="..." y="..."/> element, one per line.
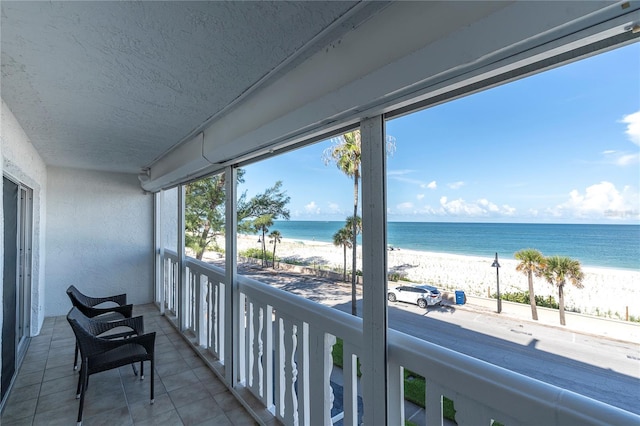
<point x="609" y="246"/>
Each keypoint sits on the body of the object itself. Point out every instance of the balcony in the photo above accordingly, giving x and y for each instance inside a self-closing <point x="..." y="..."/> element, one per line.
<point x="93" y="123"/>
<point x="283" y="368"/>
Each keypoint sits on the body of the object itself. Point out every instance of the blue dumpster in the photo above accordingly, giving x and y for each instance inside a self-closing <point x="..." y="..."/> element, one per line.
<point x="460" y="298"/>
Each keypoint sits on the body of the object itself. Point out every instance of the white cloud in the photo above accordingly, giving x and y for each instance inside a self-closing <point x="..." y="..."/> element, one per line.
<point x="455" y="185"/>
<point x="420" y="196"/>
<point x="508" y="210"/>
<point x="599" y="201"/>
<point x="633" y="126"/>
<point x="608" y="152"/>
<point x="334" y="207"/>
<point x="625" y="160"/>
<point x="479" y="208"/>
<point x="405" y="206"/>
<point x="399" y="172"/>
<point x="432" y="185"/>
<point x="312" y="208"/>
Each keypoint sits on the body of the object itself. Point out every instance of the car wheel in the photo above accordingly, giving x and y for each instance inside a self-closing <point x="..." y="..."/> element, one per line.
<point x="391" y="297"/>
<point x="422" y="303"/>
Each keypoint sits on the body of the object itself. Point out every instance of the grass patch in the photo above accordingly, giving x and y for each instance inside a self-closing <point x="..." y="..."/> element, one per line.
<point x="414" y="385"/>
<point x="337" y="352"/>
<point x="415" y="391"/>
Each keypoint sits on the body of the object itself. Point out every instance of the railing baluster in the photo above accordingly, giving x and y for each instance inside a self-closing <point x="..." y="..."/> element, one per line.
<point x="219" y="327"/>
<point x="201" y="303"/>
<point x="290" y="372"/>
<point x="433" y="403"/>
<point x="302" y="367"/>
<point x="267" y="357"/>
<point x="350" y="390"/>
<point x="279" y="367"/>
<point x="396" y="393"/>
<point x="208" y="314"/>
<point x="248" y="338"/>
<point x="320" y="366"/>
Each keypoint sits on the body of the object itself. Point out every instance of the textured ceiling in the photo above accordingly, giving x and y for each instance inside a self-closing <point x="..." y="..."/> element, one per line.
<point x="114" y="85"/>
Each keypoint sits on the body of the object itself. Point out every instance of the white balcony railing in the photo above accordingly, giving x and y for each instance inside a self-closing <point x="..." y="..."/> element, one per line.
<point x="284" y="354"/>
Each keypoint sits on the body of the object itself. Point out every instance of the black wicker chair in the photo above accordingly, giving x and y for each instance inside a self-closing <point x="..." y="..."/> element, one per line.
<point x="87" y="305"/>
<point x="101" y="354"/>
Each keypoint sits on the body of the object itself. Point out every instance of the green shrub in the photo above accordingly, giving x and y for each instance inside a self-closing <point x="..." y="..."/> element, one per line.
<point x="523" y="297"/>
<point x="292" y="261"/>
<point x="398" y="276"/>
<point x="256" y="253"/>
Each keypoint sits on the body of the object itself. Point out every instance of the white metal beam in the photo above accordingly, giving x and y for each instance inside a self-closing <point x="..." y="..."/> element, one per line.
<point x="182" y="273"/>
<point x="232" y="322"/>
<point x="374" y="270"/>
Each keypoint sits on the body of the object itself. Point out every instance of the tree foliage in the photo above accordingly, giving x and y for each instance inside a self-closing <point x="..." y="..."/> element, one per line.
<point x="261" y="210"/>
<point x="205" y="211"/>
<point x="342" y="238"/>
<point x="558" y="270"/>
<point x="532" y="263"/>
<point x="275" y="237"/>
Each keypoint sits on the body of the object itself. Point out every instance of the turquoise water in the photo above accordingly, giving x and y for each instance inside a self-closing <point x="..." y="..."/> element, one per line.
<point x="610" y="246"/>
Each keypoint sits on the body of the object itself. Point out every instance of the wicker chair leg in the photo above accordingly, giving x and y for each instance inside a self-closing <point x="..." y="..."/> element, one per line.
<point x="75" y="358"/>
<point x="152" y="388"/>
<point x="85" y="380"/>
<point x="79" y="388"/>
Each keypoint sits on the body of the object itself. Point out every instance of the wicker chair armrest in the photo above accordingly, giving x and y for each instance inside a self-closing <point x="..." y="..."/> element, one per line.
<point x="146" y="340"/>
<point x="126" y="311"/>
<point x="120" y="299"/>
<point x="134" y="323"/>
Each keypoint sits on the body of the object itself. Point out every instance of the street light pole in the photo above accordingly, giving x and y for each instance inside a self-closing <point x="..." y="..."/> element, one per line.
<point x="497" y="266"/>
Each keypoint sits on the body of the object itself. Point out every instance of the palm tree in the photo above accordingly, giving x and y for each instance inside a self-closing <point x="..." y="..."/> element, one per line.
<point x="262" y="224"/>
<point x="557" y="271"/>
<point x="274" y="238"/>
<point x="343" y="238"/>
<point x="531" y="263"/>
<point x="346" y="153"/>
<point x="354" y="225"/>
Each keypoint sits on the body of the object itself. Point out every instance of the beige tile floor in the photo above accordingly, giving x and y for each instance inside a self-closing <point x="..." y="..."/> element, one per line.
<point x="186" y="390"/>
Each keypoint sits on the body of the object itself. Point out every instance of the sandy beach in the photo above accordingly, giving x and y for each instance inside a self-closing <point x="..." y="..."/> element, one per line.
<point x="606" y="292"/>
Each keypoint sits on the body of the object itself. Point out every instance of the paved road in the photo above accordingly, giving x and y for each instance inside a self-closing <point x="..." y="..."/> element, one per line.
<point x="598" y="367"/>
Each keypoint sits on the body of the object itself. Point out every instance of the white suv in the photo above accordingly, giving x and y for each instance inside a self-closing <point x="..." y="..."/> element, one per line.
<point x="419" y="294"/>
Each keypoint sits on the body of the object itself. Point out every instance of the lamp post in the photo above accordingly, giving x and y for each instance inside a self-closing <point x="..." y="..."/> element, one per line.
<point x="497" y="266"/>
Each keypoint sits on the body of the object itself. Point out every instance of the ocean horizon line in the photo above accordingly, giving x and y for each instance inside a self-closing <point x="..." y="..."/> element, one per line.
<point x="594" y="245"/>
<point x="469" y="223"/>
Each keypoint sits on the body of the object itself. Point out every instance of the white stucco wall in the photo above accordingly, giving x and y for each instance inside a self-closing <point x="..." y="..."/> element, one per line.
<point x="99" y="237"/>
<point x="21" y="162"/>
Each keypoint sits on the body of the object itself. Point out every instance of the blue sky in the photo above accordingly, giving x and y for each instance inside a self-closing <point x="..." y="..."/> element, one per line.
<point x="558" y="147"/>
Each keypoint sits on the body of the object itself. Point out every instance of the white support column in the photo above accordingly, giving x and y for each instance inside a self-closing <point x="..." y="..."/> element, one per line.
<point x="231" y="295"/>
<point x="374" y="269"/>
<point x="158" y="205"/>
<point x="182" y="265"/>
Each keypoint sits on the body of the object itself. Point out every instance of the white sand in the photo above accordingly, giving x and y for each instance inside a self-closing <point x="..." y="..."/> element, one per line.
<point x="606" y="292"/>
